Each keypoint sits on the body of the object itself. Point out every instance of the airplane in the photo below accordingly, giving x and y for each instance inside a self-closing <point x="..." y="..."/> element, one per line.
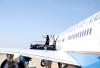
<point x="78" y="46"/>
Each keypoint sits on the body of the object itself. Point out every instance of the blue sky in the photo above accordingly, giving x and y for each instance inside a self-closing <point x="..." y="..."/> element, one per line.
<point x="23" y="21"/>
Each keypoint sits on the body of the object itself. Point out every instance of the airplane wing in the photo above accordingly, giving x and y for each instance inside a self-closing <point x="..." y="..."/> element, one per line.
<point x="56" y="56"/>
<point x="75" y="58"/>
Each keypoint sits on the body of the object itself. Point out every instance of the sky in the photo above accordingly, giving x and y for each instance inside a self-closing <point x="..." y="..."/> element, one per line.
<point x="24" y="21"/>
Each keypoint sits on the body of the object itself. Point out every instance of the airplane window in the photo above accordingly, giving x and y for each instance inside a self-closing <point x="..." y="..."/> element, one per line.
<point x="73" y="36"/>
<point x="84" y="33"/>
<point x="63" y="40"/>
<point x="90" y="31"/>
<point x="87" y="32"/>
<point x="80" y="34"/>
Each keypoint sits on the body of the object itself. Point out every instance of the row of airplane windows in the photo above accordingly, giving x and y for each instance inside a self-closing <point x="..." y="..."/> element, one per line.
<point x="80" y="34"/>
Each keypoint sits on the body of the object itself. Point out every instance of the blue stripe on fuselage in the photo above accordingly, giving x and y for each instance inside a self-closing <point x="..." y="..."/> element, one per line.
<point x="87" y="60"/>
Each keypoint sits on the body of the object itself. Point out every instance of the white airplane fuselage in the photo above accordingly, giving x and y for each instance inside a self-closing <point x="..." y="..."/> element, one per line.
<point x="84" y="36"/>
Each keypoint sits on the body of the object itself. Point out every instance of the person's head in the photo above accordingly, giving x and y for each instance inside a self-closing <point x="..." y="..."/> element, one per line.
<point x="10" y="57"/>
<point x="47" y="35"/>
